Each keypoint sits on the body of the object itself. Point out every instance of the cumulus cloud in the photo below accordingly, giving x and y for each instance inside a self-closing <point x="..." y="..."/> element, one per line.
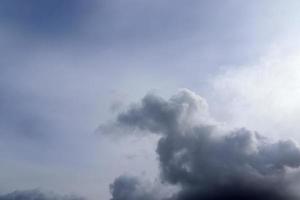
<point x="204" y="159"/>
<point x="159" y="116"/>
<point x="36" y="195"/>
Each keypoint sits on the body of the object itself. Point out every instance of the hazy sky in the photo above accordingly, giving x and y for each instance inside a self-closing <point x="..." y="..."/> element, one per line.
<point x="68" y="67"/>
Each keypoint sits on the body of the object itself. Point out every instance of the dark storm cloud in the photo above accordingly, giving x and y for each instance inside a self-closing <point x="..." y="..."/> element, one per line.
<point x="36" y="195"/>
<point x="204" y="159"/>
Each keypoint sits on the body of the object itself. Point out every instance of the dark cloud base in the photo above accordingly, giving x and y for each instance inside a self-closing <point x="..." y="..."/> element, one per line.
<point x="36" y="195"/>
<point x="204" y="159"/>
<point x="236" y="192"/>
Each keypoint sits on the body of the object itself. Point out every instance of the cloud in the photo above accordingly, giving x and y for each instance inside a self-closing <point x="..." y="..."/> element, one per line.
<point x="129" y="188"/>
<point x="205" y="159"/>
<point x="264" y="95"/>
<point x="132" y="188"/>
<point x="159" y="116"/>
<point x="36" y="195"/>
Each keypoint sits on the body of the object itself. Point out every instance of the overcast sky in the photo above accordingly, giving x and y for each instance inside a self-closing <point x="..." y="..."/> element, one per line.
<point x="68" y="67"/>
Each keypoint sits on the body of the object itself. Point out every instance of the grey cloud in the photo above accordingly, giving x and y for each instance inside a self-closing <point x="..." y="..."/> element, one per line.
<point x="36" y="195"/>
<point x="129" y="188"/>
<point x="206" y="160"/>
<point x="160" y="116"/>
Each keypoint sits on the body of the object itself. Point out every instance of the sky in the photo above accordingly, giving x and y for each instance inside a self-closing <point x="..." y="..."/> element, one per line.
<point x="110" y="99"/>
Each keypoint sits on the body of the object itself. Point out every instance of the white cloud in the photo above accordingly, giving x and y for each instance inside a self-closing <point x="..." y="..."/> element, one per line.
<point x="264" y="96"/>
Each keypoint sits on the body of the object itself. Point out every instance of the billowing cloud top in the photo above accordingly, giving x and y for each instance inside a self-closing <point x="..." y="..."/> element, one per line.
<point x="204" y="159"/>
<point x="166" y="117"/>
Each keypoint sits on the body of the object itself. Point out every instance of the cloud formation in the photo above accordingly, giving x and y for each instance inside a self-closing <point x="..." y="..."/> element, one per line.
<point x="129" y="188"/>
<point x="36" y="195"/>
<point x="205" y="159"/>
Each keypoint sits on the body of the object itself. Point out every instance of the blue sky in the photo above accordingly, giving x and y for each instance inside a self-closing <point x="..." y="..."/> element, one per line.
<point x="69" y="66"/>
